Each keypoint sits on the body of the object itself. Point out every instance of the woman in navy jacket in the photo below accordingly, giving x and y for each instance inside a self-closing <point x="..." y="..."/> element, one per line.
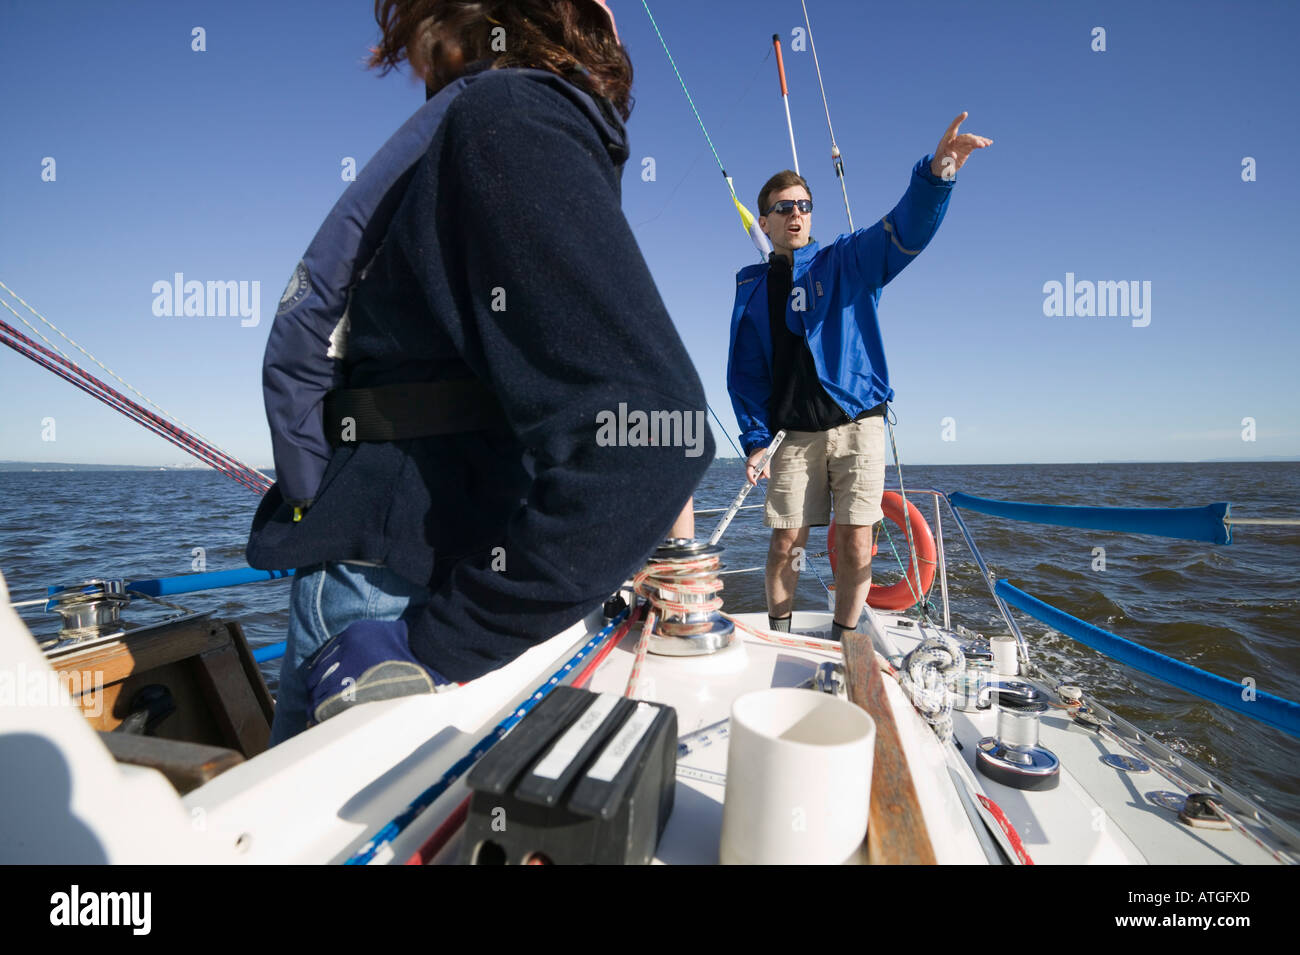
<point x="507" y="264"/>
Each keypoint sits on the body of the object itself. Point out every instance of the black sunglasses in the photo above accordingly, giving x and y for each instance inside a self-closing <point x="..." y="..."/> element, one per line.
<point x="786" y="206"/>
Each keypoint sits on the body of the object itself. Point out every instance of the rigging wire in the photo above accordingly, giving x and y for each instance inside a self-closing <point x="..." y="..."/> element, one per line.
<point x="51" y="359"/>
<point x="690" y="99"/>
<point x="748" y="220"/>
<point x="907" y="524"/>
<point x="166" y="414"/>
<point x="836" y="156"/>
<point x="201" y="455"/>
<point x="730" y="112"/>
<point x="726" y="434"/>
<point x="116" y="404"/>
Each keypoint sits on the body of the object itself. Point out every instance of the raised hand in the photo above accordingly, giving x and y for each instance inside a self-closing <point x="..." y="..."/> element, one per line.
<point x="953" y="149"/>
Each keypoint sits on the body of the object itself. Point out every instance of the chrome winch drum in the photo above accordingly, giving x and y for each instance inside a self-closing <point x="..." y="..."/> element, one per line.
<point x="1013" y="757"/>
<point x="89" y="609"/>
<point x="684" y="586"/>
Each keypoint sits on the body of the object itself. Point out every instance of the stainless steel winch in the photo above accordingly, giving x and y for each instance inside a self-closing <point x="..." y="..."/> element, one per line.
<point x="1013" y="757"/>
<point x="684" y="591"/>
<point x="92" y="614"/>
<point x="90" y="610"/>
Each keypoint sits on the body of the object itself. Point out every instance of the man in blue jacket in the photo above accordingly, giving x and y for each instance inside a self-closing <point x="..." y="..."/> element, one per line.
<point x="807" y="357"/>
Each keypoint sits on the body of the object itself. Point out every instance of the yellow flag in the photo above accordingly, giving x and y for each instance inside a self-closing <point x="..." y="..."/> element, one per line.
<point x="750" y="224"/>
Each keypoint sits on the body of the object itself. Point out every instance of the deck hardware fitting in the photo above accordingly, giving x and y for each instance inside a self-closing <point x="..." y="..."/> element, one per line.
<point x="682" y="583"/>
<point x="1199" y="812"/>
<point x="1167" y="799"/>
<point x="1014" y="757"/>
<point x="1126" y="764"/>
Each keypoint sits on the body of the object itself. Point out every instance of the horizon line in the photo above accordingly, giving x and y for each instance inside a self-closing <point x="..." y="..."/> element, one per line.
<point x="1287" y="459"/>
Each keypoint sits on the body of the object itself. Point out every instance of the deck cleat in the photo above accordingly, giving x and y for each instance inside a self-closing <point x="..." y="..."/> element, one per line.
<point x="1013" y="757"/>
<point x="1200" y="812"/>
<point x="682" y="583"/>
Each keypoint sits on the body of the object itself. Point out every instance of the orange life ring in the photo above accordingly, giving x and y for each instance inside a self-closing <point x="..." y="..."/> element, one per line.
<point x="900" y="596"/>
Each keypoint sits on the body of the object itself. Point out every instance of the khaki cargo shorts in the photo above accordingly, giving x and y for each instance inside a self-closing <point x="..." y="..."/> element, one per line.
<point x="811" y="469"/>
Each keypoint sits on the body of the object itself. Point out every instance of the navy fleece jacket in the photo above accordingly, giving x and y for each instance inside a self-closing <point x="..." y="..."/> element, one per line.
<point x="509" y="260"/>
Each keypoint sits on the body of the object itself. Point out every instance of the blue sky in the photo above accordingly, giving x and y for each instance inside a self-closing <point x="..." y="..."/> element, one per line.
<point x="1122" y="165"/>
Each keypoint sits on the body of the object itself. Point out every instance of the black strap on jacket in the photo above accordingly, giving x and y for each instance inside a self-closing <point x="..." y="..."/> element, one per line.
<point x="414" y="410"/>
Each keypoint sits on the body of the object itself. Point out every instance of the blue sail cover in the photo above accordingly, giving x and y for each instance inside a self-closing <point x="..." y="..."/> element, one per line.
<point x="1265" y="707"/>
<point x="1186" y="523"/>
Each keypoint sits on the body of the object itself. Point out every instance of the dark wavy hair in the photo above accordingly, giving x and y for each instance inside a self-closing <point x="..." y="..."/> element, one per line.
<point x="439" y="38"/>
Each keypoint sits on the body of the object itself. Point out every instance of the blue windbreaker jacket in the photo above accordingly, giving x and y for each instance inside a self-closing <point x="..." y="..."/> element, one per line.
<point x="841" y="288"/>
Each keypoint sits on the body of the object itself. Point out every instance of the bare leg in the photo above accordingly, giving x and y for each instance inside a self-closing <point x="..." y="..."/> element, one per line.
<point x="852" y="572"/>
<point x="684" y="526"/>
<point x="781" y="573"/>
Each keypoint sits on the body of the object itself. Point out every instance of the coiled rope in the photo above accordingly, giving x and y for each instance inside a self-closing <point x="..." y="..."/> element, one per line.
<point x="924" y="676"/>
<point x="673" y="589"/>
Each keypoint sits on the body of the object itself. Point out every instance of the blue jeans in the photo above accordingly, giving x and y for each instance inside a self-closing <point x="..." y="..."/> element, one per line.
<point x="325" y="598"/>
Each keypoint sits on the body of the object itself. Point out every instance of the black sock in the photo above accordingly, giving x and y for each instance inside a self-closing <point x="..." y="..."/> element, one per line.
<point x="838" y="630"/>
<point x="779" y="624"/>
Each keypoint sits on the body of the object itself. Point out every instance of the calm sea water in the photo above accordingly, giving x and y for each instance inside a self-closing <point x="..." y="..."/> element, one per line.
<point x="1233" y="610"/>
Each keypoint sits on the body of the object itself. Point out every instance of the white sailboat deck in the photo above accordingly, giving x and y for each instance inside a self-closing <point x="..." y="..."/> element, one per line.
<point x="1098" y="814"/>
<point x="320" y="796"/>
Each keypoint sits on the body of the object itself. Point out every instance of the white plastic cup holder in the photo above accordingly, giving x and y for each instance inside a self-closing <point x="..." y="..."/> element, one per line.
<point x="798" y="779"/>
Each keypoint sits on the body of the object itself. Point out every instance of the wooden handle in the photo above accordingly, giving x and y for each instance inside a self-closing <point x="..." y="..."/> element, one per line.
<point x="896" y="833"/>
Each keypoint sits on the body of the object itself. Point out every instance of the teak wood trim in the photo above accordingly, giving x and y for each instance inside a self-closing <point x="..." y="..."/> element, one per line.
<point x="232" y="701"/>
<point x="211" y="658"/>
<point x="137" y="654"/>
<point x="896" y="833"/>
<point x="252" y="670"/>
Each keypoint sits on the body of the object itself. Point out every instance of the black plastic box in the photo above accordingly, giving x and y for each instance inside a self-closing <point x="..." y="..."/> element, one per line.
<point x="585" y="778"/>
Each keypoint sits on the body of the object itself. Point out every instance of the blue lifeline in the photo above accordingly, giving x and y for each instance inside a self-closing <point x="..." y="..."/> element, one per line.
<point x="838" y="288"/>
